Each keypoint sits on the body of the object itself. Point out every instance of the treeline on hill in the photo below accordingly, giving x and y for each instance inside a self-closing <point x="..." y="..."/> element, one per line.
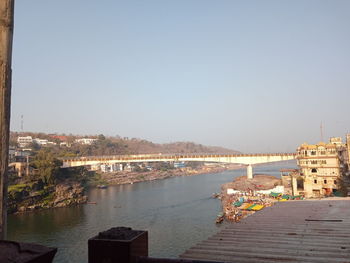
<point x="118" y="146"/>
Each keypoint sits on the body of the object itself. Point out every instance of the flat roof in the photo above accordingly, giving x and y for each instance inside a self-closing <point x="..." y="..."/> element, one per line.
<point x="293" y="231"/>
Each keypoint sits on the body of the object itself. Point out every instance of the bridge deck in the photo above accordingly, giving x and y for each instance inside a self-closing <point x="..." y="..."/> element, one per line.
<point x="172" y="156"/>
<point x="247" y="159"/>
<point x="285" y="233"/>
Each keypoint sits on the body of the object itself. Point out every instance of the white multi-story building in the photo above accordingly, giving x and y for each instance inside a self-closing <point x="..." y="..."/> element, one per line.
<point x="41" y="142"/>
<point x="24" y="141"/>
<point x="115" y="167"/>
<point x="105" y="168"/>
<point x="86" y="141"/>
<point x="321" y="166"/>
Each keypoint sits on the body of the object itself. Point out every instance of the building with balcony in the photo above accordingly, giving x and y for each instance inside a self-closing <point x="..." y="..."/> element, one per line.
<point x="321" y="167"/>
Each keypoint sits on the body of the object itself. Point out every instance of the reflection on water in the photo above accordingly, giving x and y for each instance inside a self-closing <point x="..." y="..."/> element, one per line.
<point x="178" y="213"/>
<point x="54" y="227"/>
<point x="43" y="222"/>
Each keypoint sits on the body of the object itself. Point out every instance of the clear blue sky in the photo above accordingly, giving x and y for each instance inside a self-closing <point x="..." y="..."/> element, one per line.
<point x="256" y="76"/>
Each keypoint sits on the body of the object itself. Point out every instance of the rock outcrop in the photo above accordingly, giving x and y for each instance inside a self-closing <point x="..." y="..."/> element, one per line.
<point x="28" y="197"/>
<point x="68" y="194"/>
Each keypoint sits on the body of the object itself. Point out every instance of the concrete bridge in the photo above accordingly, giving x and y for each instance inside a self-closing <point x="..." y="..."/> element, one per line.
<point x="246" y="159"/>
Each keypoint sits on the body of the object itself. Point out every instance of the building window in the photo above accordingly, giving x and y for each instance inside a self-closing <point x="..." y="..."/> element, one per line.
<point x="335" y="181"/>
<point x="323" y="152"/>
<point x="315" y="181"/>
<point x="313" y="152"/>
<point x="325" y="181"/>
<point x="314" y="170"/>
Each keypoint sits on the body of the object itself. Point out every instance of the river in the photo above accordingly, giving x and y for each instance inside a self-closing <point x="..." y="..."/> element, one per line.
<point x="178" y="212"/>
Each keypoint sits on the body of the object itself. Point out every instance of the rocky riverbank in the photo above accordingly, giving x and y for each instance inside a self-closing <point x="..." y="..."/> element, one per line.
<point x="124" y="177"/>
<point x="34" y="196"/>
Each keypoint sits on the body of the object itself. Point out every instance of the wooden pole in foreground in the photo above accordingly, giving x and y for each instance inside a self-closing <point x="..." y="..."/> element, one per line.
<point x="6" y="37"/>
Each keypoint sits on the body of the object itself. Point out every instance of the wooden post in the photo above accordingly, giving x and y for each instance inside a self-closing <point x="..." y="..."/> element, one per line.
<point x="6" y="36"/>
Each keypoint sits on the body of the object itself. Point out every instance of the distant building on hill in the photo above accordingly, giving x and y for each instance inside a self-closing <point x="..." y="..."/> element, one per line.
<point x="21" y="169"/>
<point x="19" y="163"/>
<point x="24" y="141"/>
<point x="62" y="140"/>
<point x="40" y="141"/>
<point x="85" y="141"/>
<point x="43" y="142"/>
<point x="65" y="144"/>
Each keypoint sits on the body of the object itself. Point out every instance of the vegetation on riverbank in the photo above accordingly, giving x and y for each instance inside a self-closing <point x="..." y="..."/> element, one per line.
<point x="46" y="184"/>
<point x="32" y="196"/>
<point x="110" y="145"/>
<point x="68" y="188"/>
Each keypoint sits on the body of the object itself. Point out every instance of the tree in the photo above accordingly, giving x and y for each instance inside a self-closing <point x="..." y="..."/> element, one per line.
<point x="101" y="137"/>
<point x="48" y="167"/>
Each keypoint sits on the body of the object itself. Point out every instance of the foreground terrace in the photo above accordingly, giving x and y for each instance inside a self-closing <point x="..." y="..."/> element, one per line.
<point x="293" y="231"/>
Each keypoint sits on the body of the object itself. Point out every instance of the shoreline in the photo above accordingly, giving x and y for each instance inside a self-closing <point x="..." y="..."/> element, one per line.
<point x="120" y="178"/>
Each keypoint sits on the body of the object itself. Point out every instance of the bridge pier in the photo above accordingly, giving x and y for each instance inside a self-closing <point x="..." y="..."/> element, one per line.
<point x="249" y="171"/>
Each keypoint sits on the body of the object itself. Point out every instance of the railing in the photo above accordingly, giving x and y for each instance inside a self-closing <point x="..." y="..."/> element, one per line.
<point x="168" y="156"/>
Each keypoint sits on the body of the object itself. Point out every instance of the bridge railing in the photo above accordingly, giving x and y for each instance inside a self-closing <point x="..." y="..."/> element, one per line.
<point x="168" y="156"/>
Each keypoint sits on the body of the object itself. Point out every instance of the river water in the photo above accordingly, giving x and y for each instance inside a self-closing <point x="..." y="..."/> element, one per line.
<point x="178" y="212"/>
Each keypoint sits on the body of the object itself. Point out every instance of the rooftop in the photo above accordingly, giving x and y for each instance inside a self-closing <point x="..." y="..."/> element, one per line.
<point x="294" y="231"/>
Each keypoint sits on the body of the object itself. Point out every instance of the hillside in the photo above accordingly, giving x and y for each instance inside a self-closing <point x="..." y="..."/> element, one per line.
<point x="143" y="146"/>
<point x="118" y="145"/>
